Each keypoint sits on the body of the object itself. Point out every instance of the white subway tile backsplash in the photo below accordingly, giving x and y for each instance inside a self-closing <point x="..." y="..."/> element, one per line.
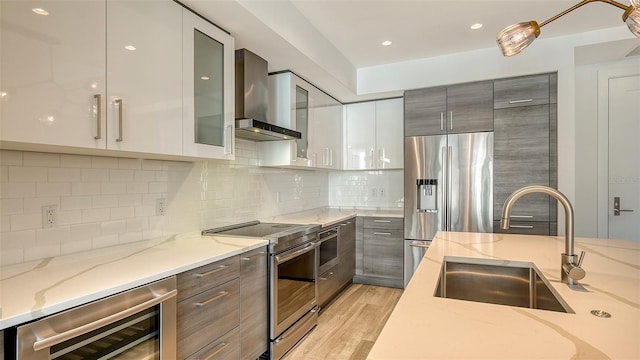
<point x="26" y="221"/>
<point x="101" y="162"/>
<point x="75" y="202"/>
<point x="81" y="232"/>
<point x="105" y="201"/>
<point x="11" y="206"/>
<point x="27" y="174"/>
<point x="75" y="161"/>
<point x="121" y="175"/>
<point x="34" y="205"/>
<point x="130" y="200"/>
<point x="95" y="175"/>
<point x="5" y="223"/>
<point x="69" y="245"/>
<point x="151" y="164"/>
<point x="82" y="188"/>
<point x="53" y="189"/>
<point x="126" y="163"/>
<point x="129" y="237"/>
<point x="4" y="173"/>
<point x="122" y="212"/>
<point x="95" y="215"/>
<point x="104" y="241"/>
<point x="158" y="187"/>
<point x="9" y="157"/>
<point x="64" y="175"/>
<point x="40" y="159"/>
<point x="113" y="188"/>
<point x="71" y="217"/>
<point x="113" y="227"/>
<point x="144" y="175"/>
<point x="137" y="188"/>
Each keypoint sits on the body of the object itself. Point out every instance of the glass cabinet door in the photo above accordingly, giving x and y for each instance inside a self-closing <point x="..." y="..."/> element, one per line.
<point x="302" y="121"/>
<point x="208" y="80"/>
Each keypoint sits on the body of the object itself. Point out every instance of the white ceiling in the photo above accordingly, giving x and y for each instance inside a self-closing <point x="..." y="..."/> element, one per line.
<point x="326" y="41"/>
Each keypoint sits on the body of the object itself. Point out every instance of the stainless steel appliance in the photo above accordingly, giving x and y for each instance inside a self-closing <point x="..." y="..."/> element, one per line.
<point x="448" y="185"/>
<point x="136" y="324"/>
<point x="328" y="249"/>
<point x="293" y="274"/>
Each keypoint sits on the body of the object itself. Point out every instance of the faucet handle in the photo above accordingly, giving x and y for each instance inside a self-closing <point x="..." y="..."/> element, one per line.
<point x="579" y="264"/>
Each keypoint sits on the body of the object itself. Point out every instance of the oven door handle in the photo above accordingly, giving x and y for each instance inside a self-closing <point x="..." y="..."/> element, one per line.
<point x="286" y="257"/>
<point x="80" y="330"/>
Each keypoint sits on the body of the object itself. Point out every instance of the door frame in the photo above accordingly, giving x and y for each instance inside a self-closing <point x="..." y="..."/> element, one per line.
<point x="603" y="203"/>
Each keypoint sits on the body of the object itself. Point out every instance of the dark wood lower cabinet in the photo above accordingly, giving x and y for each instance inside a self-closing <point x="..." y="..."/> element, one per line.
<point x="381" y="253"/>
<point x="224" y="312"/>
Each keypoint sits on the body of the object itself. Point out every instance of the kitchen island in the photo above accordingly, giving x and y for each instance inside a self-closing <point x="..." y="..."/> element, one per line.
<point x="423" y="326"/>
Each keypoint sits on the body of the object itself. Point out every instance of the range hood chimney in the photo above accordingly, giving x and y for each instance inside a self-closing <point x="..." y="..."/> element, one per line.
<point x="252" y="98"/>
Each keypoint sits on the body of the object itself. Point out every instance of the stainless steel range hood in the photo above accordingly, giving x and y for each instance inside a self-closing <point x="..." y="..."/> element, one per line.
<point x="252" y="98"/>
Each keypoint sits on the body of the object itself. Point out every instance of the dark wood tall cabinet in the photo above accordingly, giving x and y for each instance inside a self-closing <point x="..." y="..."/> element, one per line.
<point x="525" y="151"/>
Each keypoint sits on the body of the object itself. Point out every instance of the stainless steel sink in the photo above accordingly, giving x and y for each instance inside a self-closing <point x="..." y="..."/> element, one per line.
<point x="513" y="283"/>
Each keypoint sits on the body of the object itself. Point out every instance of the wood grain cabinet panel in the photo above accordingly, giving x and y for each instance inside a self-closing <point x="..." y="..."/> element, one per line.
<point x="207" y="316"/>
<point x="254" y="298"/>
<point x="197" y="280"/>
<point x="383" y="253"/>
<point x="521" y="157"/>
<point x="225" y="348"/>
<point x="453" y="109"/>
<point x="424" y="111"/>
<point x="521" y="91"/>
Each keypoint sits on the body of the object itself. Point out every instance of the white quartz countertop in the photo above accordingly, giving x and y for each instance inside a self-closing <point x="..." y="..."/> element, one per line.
<point x="426" y="327"/>
<point x="328" y="216"/>
<point x="32" y="290"/>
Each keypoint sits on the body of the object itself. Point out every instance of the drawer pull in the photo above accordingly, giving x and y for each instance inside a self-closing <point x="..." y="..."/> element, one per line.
<point x="382" y="221"/>
<point x="220" y="295"/>
<point x="249" y="258"/>
<point x="215" y="351"/>
<point x="520" y="101"/>
<point x="381" y="233"/>
<point x="221" y="267"/>
<point x="328" y="276"/>
<point x="521" y="227"/>
<point x="521" y="216"/>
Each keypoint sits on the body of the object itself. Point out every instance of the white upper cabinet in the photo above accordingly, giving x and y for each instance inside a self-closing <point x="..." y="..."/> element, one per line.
<point x="52" y="75"/>
<point x="390" y="134"/>
<point x="325" y="130"/>
<point x="208" y="89"/>
<point x="374" y="135"/>
<point x="144" y="76"/>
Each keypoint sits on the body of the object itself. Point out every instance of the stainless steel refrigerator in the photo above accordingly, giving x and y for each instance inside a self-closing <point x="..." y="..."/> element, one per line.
<point x="448" y="185"/>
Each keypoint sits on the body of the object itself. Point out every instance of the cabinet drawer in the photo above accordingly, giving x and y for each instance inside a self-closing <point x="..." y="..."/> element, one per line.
<point x="383" y="254"/>
<point x="207" y="316"/>
<point x="225" y="348"/>
<point x="200" y="279"/>
<point x="328" y="285"/>
<point x="383" y="222"/>
<point x="524" y="227"/>
<point x="522" y="91"/>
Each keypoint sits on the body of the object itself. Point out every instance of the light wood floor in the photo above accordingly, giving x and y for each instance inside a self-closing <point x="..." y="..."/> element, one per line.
<point x="348" y="327"/>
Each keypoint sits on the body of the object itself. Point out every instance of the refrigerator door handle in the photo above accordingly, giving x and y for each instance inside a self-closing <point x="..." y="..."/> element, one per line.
<point x="444" y="189"/>
<point x="449" y="172"/>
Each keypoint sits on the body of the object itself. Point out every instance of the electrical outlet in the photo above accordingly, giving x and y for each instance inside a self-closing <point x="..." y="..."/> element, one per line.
<point x="161" y="207"/>
<point x="49" y="216"/>
<point x="382" y="192"/>
<point x="374" y="192"/>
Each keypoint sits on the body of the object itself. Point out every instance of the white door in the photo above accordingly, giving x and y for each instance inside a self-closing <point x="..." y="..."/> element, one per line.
<point x="624" y="158"/>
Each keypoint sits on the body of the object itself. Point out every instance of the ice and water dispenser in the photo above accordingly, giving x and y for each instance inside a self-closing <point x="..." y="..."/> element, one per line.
<point x="427" y="195"/>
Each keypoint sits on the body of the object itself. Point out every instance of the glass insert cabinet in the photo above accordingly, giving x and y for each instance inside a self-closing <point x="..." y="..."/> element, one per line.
<point x="208" y="55"/>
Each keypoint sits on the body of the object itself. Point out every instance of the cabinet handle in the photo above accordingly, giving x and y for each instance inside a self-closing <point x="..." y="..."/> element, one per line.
<point x="97" y="98"/>
<point x="221" y="267"/>
<point x="520" y="226"/>
<point x="294" y="153"/>
<point x="249" y="258"/>
<point x="441" y="120"/>
<point x="220" y="295"/>
<point x="228" y="148"/>
<point x="371" y="161"/>
<point x="328" y="276"/>
<point x="381" y="233"/>
<point x="382" y="221"/>
<point x="380" y="157"/>
<point x="521" y="216"/>
<point x="331" y="157"/>
<point x="215" y="351"/>
<point x="520" y="101"/>
<point x="345" y="224"/>
<point x="326" y="157"/>
<point x="451" y="122"/>
<point x="119" y="105"/>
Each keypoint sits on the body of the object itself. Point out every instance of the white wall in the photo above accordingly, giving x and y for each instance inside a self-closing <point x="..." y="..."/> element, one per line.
<point x="367" y="189"/>
<point x="104" y="201"/>
<point x="544" y="55"/>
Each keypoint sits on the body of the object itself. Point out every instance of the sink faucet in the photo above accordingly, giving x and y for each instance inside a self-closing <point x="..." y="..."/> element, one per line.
<point x="570" y="269"/>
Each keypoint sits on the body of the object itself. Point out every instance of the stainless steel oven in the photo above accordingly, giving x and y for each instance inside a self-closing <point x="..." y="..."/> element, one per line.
<point x="328" y="249"/>
<point x="136" y="324"/>
<point x="293" y="274"/>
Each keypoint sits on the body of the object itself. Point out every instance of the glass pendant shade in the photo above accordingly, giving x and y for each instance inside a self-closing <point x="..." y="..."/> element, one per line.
<point x="633" y="19"/>
<point x="515" y="38"/>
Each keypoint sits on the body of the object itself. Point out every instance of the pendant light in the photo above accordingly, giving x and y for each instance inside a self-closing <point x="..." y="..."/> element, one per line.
<point x="515" y="38"/>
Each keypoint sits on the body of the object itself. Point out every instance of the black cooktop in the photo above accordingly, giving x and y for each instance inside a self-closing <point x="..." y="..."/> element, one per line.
<point x="252" y="229"/>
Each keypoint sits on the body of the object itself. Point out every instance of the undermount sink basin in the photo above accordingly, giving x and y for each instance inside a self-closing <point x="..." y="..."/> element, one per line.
<point x="503" y="282"/>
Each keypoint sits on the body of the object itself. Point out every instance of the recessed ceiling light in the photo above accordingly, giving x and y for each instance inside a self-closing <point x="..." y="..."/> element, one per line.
<point x="386" y="43"/>
<point x="204" y="77"/>
<point x="476" y="26"/>
<point x="40" y="11"/>
<point x="130" y="47"/>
